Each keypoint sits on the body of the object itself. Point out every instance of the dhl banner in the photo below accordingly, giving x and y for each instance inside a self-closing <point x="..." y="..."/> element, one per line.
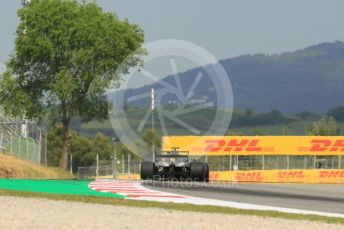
<point x="325" y="176"/>
<point x="322" y="176"/>
<point x="256" y="145"/>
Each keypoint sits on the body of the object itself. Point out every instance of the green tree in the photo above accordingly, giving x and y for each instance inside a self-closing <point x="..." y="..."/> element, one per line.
<point x="323" y="127"/>
<point x="54" y="145"/>
<point x="83" y="149"/>
<point x="67" y="53"/>
<point x="306" y="115"/>
<point x="285" y="130"/>
<point x="233" y="133"/>
<point x="257" y="132"/>
<point x="248" y="112"/>
<point x="103" y="146"/>
<point x="337" y="113"/>
<point x="148" y="135"/>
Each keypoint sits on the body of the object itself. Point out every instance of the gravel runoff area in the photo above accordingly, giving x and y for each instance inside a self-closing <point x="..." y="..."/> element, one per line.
<point x="32" y="213"/>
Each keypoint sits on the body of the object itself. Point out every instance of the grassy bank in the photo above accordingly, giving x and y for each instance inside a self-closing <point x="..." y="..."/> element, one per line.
<point x="14" y="167"/>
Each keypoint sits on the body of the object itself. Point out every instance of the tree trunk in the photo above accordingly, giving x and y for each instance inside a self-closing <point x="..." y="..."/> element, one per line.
<point x="65" y="145"/>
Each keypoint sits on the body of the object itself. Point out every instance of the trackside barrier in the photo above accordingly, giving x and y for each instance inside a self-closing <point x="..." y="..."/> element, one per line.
<point x="104" y="172"/>
<point x="257" y="145"/>
<point x="128" y="176"/>
<point x="331" y="176"/>
<point x="120" y="176"/>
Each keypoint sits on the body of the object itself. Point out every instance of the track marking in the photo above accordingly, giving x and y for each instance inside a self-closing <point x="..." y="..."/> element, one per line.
<point x="131" y="189"/>
<point x="135" y="190"/>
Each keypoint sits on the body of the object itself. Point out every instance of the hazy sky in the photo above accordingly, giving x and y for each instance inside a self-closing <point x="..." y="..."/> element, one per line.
<point x="225" y="28"/>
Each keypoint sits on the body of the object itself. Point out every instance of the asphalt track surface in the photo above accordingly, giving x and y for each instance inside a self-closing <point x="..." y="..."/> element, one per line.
<point x="314" y="197"/>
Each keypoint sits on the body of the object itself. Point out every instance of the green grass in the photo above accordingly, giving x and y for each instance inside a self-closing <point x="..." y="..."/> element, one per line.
<point x="66" y="187"/>
<point x="172" y="206"/>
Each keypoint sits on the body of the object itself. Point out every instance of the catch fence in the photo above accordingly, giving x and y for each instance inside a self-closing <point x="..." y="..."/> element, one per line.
<point x="263" y="162"/>
<point x="23" y="139"/>
<point x="107" y="169"/>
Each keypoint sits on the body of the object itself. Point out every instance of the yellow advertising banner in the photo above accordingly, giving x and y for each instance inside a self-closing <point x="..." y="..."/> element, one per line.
<point x="256" y="145"/>
<point x="318" y="176"/>
<point x="324" y="176"/>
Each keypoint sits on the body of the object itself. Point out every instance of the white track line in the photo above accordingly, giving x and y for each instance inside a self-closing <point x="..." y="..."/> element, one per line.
<point x="131" y="189"/>
<point x="136" y="191"/>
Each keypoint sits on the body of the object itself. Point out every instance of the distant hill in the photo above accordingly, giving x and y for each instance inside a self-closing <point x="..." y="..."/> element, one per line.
<point x="310" y="79"/>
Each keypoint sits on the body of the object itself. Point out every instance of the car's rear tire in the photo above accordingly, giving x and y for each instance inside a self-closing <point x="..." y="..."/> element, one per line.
<point x="147" y="170"/>
<point x="197" y="171"/>
<point x="206" y="172"/>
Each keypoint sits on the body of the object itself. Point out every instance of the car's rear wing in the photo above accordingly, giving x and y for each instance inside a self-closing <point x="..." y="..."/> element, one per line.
<point x="172" y="156"/>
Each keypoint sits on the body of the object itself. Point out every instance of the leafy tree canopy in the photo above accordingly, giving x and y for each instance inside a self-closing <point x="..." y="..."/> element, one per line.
<point x="67" y="53"/>
<point x="337" y="113"/>
<point x="323" y="127"/>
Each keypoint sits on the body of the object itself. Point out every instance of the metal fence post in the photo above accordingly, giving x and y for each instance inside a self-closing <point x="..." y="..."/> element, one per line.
<point x="71" y="164"/>
<point x="113" y="164"/>
<point x="1" y="140"/>
<point x="115" y="159"/>
<point x="223" y="163"/>
<point x="314" y="161"/>
<point x="97" y="166"/>
<point x="237" y="162"/>
<point x="46" y="148"/>
<point x="19" y="152"/>
<point x="34" y="151"/>
<point x="129" y="163"/>
<point x="287" y="161"/>
<point x="230" y="162"/>
<point x="27" y="148"/>
<point x="339" y="161"/>
<point x="122" y="163"/>
<point x="11" y="147"/>
<point x="40" y="147"/>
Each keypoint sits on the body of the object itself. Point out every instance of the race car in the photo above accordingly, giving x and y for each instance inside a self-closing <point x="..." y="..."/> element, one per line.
<point x="174" y="164"/>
